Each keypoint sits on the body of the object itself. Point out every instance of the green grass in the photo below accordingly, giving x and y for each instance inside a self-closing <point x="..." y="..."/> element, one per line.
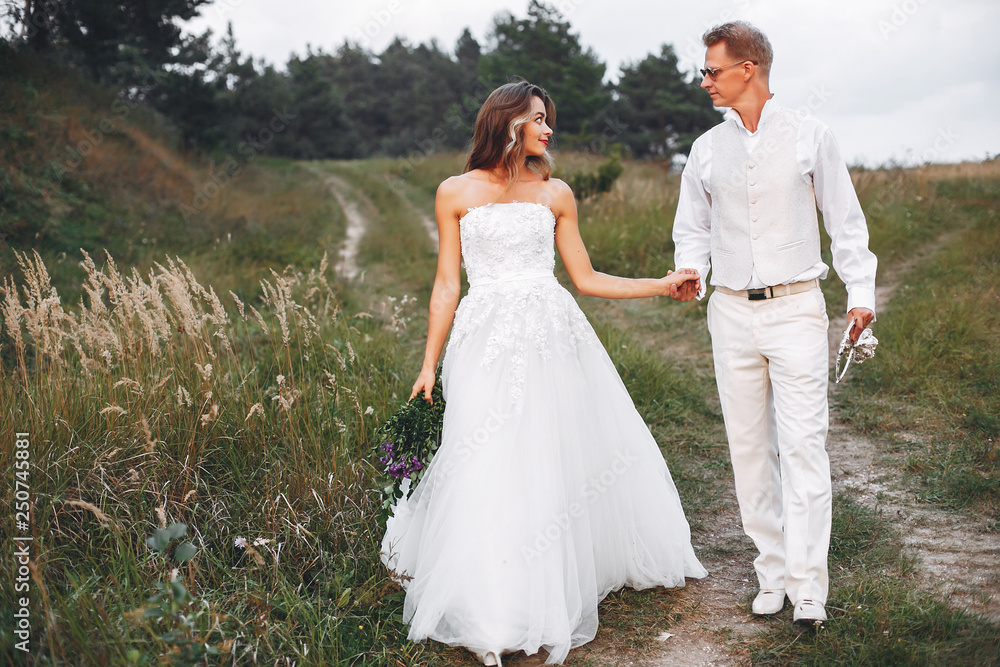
<point x="936" y="376"/>
<point x="877" y="615"/>
<point x="286" y="409"/>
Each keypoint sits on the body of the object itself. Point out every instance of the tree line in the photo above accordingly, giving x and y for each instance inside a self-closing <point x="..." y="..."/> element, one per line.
<point x="354" y="103"/>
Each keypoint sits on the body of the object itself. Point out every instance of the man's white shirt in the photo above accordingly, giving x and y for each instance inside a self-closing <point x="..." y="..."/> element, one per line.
<point x="819" y="160"/>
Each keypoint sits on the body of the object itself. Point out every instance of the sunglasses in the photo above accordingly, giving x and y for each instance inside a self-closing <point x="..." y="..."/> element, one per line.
<point x="712" y="72"/>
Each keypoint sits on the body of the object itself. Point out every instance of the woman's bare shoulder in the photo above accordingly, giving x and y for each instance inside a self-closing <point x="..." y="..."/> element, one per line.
<point x="560" y="197"/>
<point x="558" y="187"/>
<point x="460" y="185"/>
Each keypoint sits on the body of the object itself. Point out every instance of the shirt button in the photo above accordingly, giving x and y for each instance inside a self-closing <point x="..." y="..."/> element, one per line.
<point x="753" y="201"/>
<point x="755" y="220"/>
<point x="752" y="165"/>
<point x="753" y="182"/>
<point x="755" y="236"/>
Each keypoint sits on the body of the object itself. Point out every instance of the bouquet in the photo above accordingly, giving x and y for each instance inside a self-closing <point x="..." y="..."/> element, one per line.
<point x="407" y="440"/>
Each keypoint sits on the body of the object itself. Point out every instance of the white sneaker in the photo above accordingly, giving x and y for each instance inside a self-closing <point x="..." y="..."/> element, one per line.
<point x="768" y="602"/>
<point x="809" y="613"/>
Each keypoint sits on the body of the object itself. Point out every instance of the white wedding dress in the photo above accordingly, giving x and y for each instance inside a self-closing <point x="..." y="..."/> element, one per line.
<point x="548" y="491"/>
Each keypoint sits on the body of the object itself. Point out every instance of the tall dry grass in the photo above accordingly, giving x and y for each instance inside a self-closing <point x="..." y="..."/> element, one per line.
<point x="156" y="400"/>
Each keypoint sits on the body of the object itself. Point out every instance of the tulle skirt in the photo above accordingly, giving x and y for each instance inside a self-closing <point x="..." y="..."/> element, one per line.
<point x="547" y="493"/>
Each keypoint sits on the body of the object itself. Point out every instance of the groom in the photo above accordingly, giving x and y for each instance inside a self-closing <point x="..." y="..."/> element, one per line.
<point x="747" y="210"/>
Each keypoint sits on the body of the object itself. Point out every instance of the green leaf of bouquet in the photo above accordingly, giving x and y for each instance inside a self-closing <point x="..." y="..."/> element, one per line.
<point x="177" y="586"/>
<point x="185" y="552"/>
<point x="176" y="530"/>
<point x="159" y="539"/>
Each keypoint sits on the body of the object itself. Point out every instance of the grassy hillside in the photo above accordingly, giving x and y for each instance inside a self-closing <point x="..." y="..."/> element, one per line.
<point x="81" y="168"/>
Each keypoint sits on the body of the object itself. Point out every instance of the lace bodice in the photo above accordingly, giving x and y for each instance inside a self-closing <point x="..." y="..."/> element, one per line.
<point x="507" y="239"/>
<point x="516" y="311"/>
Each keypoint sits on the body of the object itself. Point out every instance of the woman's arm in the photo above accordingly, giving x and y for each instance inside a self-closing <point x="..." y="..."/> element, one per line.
<point x="589" y="282"/>
<point x="447" y="284"/>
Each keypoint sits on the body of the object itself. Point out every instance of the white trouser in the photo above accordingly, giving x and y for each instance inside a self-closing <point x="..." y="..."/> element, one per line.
<point x="772" y="366"/>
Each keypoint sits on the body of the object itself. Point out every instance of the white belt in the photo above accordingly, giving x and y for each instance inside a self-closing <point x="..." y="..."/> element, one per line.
<point x="770" y="292"/>
<point x="527" y="274"/>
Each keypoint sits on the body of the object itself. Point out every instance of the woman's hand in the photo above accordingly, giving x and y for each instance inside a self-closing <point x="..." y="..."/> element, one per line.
<point x="424" y="383"/>
<point x="681" y="285"/>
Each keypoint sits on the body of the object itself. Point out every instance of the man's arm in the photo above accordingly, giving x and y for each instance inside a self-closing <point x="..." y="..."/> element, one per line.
<point x="692" y="231"/>
<point x="845" y="223"/>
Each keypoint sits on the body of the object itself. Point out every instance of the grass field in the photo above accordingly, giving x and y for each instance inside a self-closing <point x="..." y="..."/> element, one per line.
<point x="223" y="377"/>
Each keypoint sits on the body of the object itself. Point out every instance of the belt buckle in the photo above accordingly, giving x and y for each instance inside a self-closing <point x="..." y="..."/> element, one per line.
<point x="757" y="294"/>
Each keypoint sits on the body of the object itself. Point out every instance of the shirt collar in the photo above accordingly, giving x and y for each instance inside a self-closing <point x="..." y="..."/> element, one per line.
<point x="770" y="107"/>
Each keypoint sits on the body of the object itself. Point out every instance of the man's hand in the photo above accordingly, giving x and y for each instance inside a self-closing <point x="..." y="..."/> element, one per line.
<point x="860" y="318"/>
<point x="688" y="289"/>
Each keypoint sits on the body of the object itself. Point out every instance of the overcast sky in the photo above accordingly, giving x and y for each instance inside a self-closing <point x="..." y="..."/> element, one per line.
<point x="904" y="80"/>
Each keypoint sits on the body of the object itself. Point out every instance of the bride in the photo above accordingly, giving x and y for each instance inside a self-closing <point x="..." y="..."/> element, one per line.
<point x="548" y="490"/>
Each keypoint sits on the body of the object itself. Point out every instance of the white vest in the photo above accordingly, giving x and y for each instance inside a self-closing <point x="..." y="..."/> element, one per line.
<point x="763" y="209"/>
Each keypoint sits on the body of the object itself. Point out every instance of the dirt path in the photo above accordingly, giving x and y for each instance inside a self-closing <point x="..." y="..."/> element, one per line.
<point x="403" y="189"/>
<point x="715" y="615"/>
<point x="958" y="559"/>
<point x="347" y="262"/>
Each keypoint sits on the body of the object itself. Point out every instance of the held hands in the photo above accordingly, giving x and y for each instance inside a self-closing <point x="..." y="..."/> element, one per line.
<point x="860" y="318"/>
<point x="683" y="284"/>
<point x="425" y="384"/>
